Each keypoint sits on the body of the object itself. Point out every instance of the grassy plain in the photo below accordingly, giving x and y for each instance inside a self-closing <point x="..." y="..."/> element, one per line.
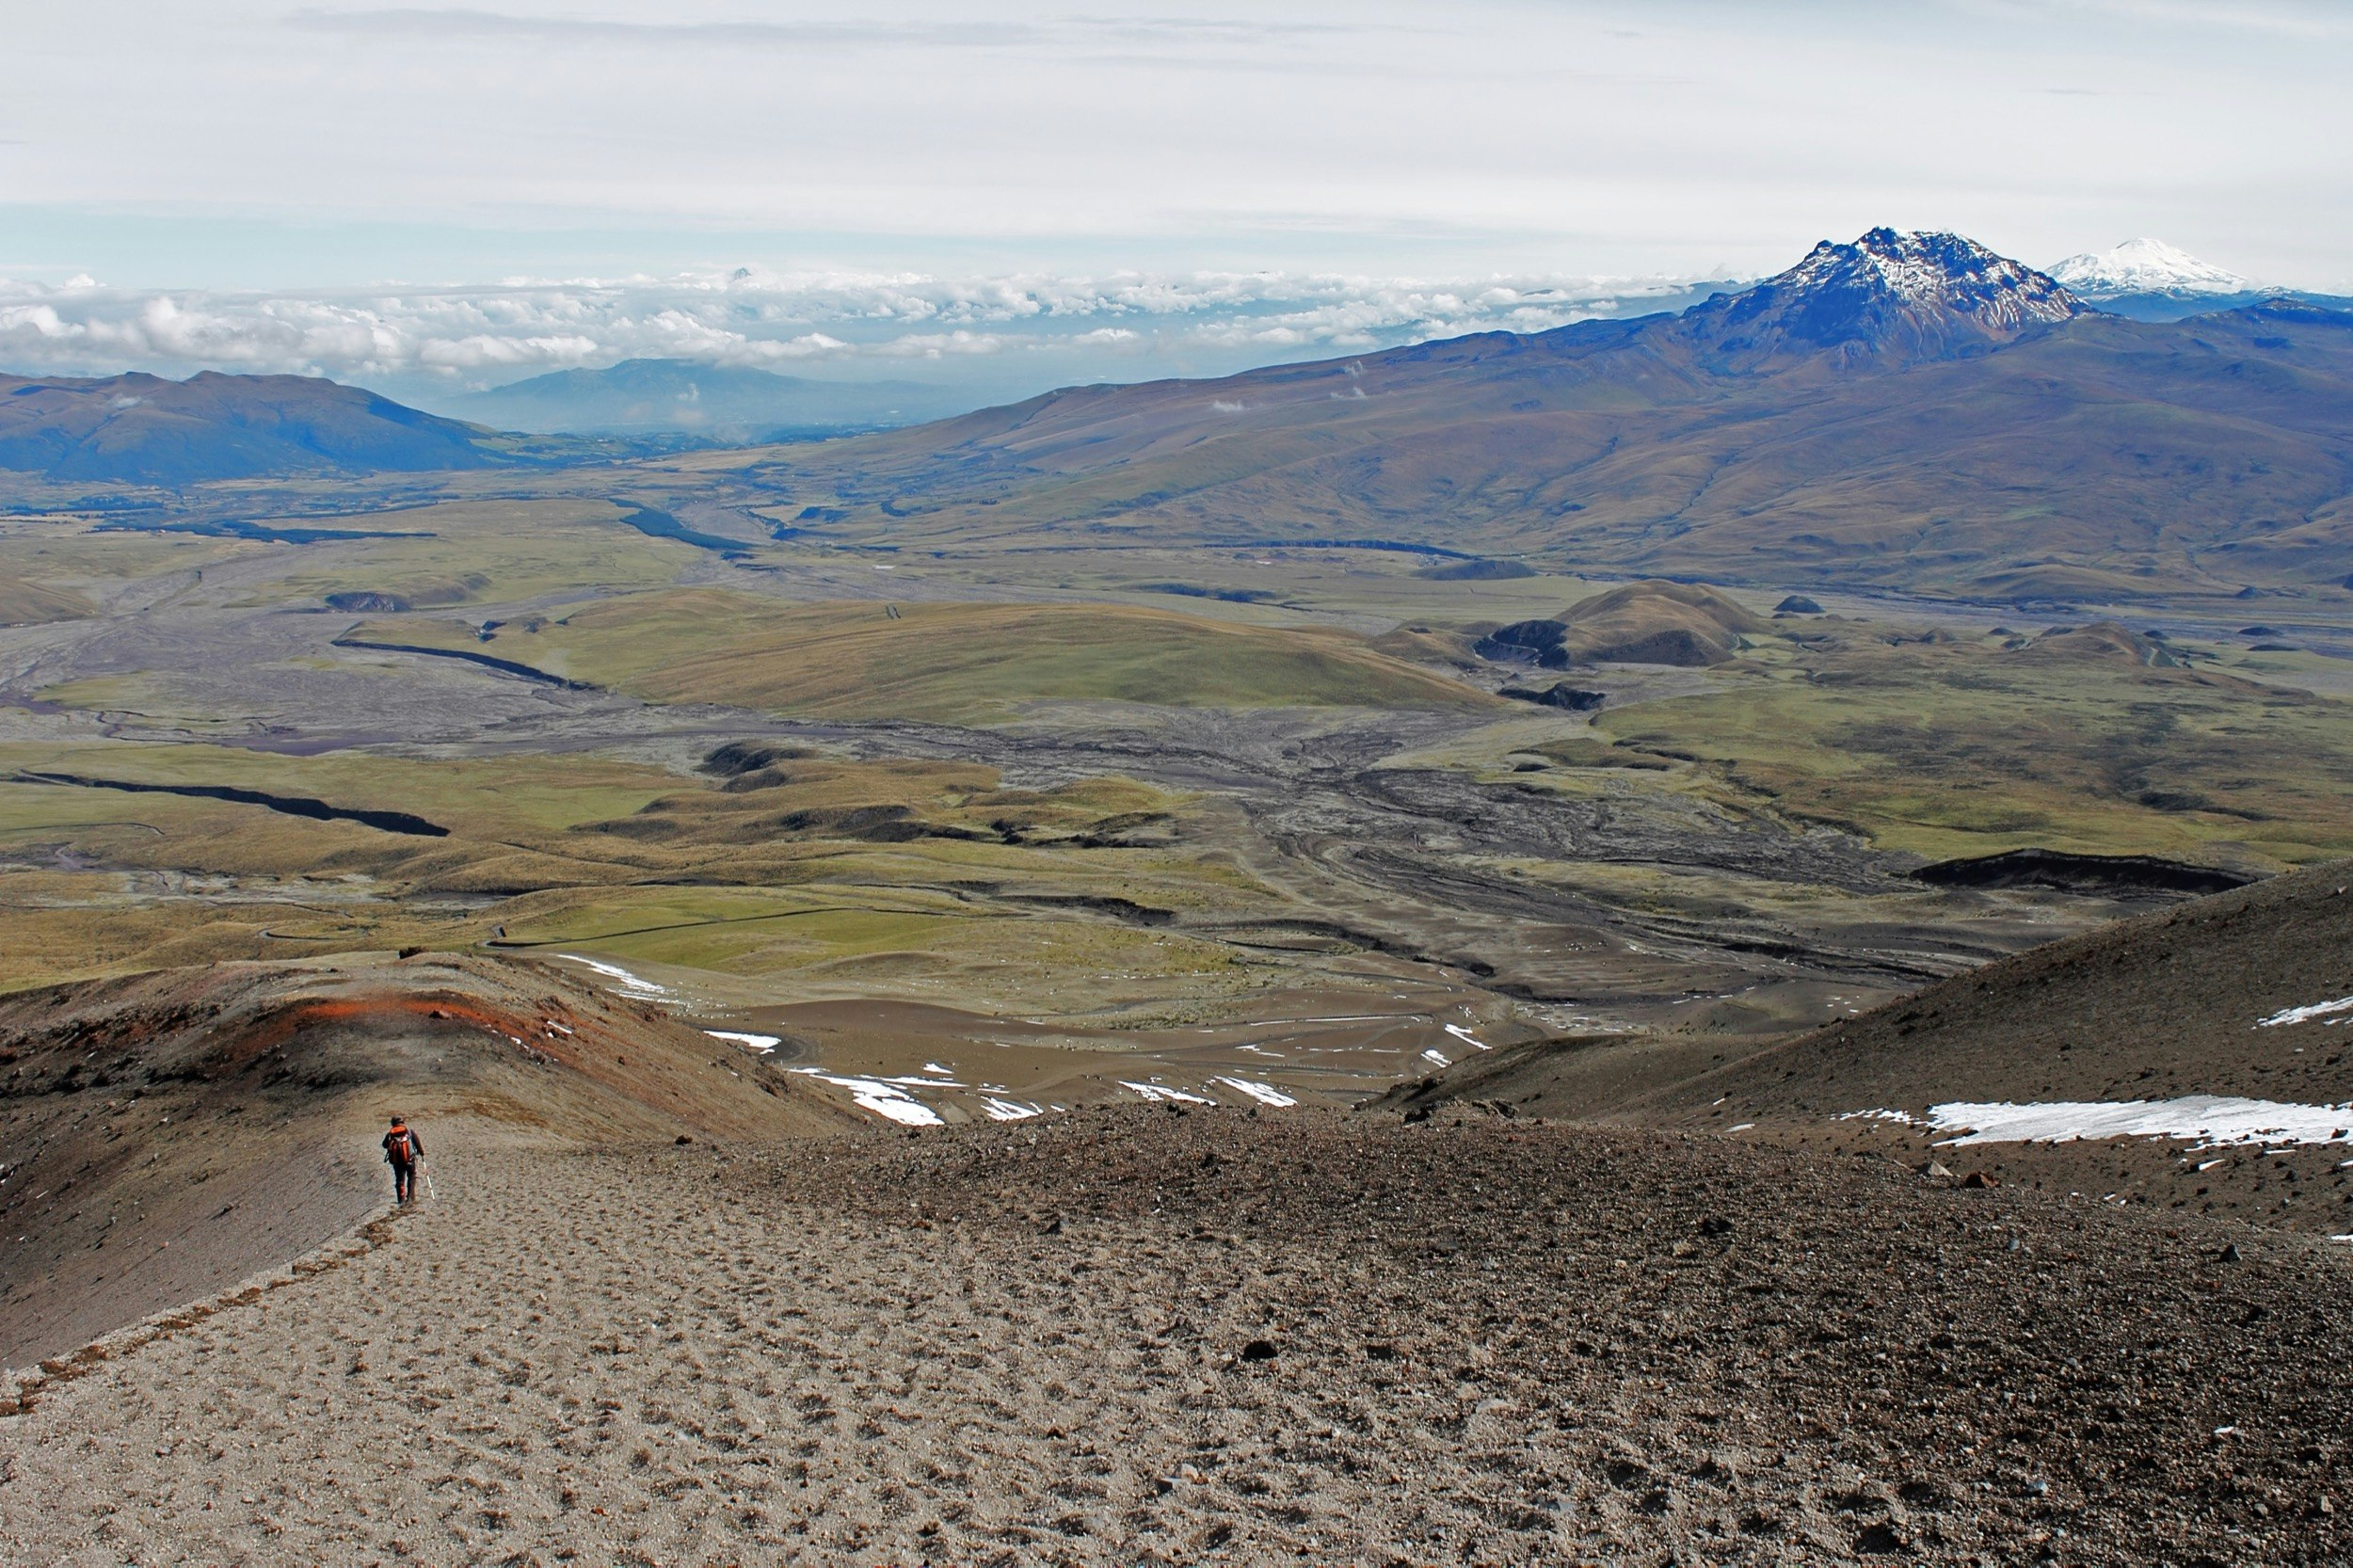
<point x="59" y="574"/>
<point x="926" y="873"/>
<point x="27" y="603"/>
<point x="486" y="552"/>
<point x="958" y="662"/>
<point x="1584" y="857"/>
<point x="1968" y="746"/>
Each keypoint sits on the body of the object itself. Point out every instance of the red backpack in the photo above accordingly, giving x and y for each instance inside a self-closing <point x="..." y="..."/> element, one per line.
<point x="401" y="1146"/>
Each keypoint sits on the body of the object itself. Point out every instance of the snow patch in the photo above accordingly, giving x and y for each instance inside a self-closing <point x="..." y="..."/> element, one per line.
<point x="1010" y="1111"/>
<point x="1465" y="1037"/>
<point x="2306" y="1014"/>
<point x="1439" y="1057"/>
<point x="763" y="1043"/>
<point x="629" y="984"/>
<point x="2212" y="1120"/>
<point x="1162" y="1092"/>
<point x="884" y="1099"/>
<point x="1265" y="1094"/>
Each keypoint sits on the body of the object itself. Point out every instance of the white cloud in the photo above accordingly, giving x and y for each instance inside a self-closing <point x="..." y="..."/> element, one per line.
<point x="457" y="338"/>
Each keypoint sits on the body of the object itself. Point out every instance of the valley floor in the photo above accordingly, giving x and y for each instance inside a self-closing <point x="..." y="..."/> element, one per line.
<point x="1142" y="1336"/>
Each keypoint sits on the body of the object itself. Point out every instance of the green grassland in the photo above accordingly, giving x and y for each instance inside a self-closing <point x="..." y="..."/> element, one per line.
<point x="930" y="876"/>
<point x="450" y="553"/>
<point x="1105" y="898"/>
<point x="1958" y="746"/>
<point x="483" y="552"/>
<point x="60" y="572"/>
<point x="955" y="662"/>
<point x="1268" y="586"/>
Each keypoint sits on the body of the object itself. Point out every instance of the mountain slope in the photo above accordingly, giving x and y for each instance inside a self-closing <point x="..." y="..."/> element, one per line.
<point x="169" y="1134"/>
<point x="1903" y="411"/>
<point x="2245" y="995"/>
<point x="724" y="402"/>
<point x="2165" y="1003"/>
<point x="143" y="429"/>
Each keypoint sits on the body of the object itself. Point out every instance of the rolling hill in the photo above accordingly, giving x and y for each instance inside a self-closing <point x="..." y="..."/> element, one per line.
<point x="1642" y="623"/>
<point x="24" y="603"/>
<point x="723" y="402"/>
<point x="144" y="429"/>
<point x="954" y="663"/>
<point x="1905" y="410"/>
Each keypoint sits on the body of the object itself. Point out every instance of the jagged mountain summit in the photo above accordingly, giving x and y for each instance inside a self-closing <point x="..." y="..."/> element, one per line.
<point x="1889" y="295"/>
<point x="2145" y="266"/>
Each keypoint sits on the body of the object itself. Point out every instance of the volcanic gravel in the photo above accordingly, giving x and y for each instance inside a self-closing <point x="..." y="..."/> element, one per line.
<point x="1148" y="1337"/>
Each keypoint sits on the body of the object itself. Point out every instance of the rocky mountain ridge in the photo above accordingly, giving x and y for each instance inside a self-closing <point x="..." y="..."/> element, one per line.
<point x="1889" y="295"/>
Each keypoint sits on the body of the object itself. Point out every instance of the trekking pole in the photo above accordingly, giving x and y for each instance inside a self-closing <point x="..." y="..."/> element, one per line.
<point x="428" y="1181"/>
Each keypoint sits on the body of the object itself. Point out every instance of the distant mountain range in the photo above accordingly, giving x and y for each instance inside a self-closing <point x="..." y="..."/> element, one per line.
<point x="720" y="402"/>
<point x="2151" y="280"/>
<point x="1904" y="410"/>
<point x="143" y="429"/>
<point x="138" y="428"/>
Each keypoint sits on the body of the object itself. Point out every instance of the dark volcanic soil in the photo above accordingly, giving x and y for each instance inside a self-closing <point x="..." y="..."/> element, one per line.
<point x="2160" y="1007"/>
<point x="1139" y="1337"/>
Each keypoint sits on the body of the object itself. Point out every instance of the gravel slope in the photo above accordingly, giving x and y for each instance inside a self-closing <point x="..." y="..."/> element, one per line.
<point x="2165" y="1006"/>
<point x="162" y="1137"/>
<point x="1490" y="1343"/>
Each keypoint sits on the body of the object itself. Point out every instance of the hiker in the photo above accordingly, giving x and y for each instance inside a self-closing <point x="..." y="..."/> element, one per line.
<point x="404" y="1151"/>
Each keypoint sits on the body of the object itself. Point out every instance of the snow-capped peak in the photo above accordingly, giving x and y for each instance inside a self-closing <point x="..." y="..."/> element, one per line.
<point x="2145" y="266"/>
<point x="1936" y="271"/>
<point x="1887" y="298"/>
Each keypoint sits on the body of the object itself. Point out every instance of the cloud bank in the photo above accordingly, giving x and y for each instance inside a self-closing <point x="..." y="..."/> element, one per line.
<point x="1010" y="334"/>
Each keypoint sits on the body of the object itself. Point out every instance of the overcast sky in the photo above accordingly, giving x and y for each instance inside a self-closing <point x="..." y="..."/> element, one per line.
<point x="314" y="153"/>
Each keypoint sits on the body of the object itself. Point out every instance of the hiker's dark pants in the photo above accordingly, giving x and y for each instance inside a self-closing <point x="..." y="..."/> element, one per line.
<point x="403" y="1180"/>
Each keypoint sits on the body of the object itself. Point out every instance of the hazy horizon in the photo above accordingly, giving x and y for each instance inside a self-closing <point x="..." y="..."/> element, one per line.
<point x="432" y="200"/>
